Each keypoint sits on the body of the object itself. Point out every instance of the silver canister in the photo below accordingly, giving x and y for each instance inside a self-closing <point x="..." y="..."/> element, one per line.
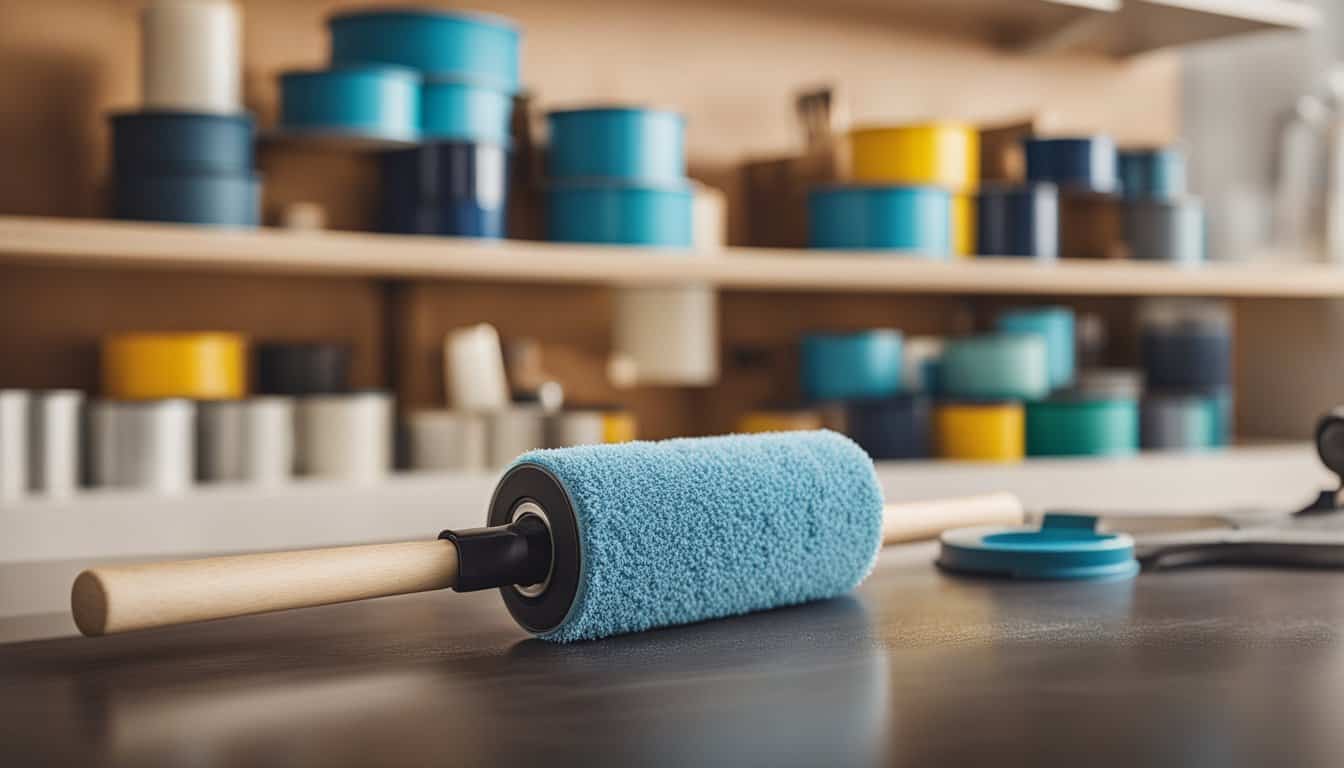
<point x="1165" y="230"/>
<point x="149" y="445"/>
<point x="516" y="430"/>
<point x="569" y="428"/>
<point x="246" y="441"/>
<point x="55" y="422"/>
<point x="13" y="443"/>
<point x="447" y="440"/>
<point x="344" y="437"/>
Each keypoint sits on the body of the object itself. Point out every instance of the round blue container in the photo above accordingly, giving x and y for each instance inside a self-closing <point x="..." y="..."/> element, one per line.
<point x="597" y="212"/>
<point x="480" y="47"/>
<point x="1189" y="359"/>
<point x="1021" y="221"/>
<point x="1055" y="325"/>
<point x="379" y="102"/>
<point x="998" y="366"/>
<point x="181" y="143"/>
<point x="1152" y="173"/>
<point x="231" y="201"/>
<point x="852" y="365"/>
<point x="1087" y="163"/>
<point x="1065" y="547"/>
<point x="891" y="427"/>
<point x="627" y="143"/>
<point x="445" y="188"/>
<point x="914" y="219"/>
<point x="453" y="110"/>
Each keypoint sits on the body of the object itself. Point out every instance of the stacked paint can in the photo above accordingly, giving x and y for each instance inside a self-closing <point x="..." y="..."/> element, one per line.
<point x="186" y="155"/>
<point x="618" y="175"/>
<point x="1161" y="221"/>
<point x="1186" y="349"/>
<point x="1082" y="171"/>
<point x="444" y="79"/>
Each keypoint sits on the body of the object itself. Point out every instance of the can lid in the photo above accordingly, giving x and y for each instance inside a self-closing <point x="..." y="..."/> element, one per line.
<point x="1064" y="547"/>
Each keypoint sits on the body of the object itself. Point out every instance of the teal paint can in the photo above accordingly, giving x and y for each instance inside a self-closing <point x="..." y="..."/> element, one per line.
<point x="916" y="220"/>
<point x="1081" y="426"/>
<point x="1056" y="326"/>
<point x="850" y="366"/>
<point x="999" y="366"/>
<point x="627" y="143"/>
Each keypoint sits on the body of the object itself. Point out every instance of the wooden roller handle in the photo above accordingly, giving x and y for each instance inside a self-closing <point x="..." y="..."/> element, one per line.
<point x="126" y="597"/>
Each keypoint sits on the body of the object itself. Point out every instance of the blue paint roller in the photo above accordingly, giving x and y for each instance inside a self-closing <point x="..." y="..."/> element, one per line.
<point x="588" y="542"/>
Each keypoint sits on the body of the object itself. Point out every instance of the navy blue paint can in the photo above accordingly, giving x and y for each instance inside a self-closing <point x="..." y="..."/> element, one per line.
<point x="445" y="188"/>
<point x="220" y="200"/>
<point x="1186" y="359"/>
<point x="1018" y="220"/>
<point x="1082" y="163"/>
<point x="181" y="143"/>
<point x="892" y="427"/>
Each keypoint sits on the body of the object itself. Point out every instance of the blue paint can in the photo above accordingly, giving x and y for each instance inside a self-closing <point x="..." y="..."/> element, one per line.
<point x="456" y="110"/>
<point x="1186" y="358"/>
<point x="999" y="366"/>
<point x="891" y="427"/>
<point x="627" y="143"/>
<point x="1152" y="173"/>
<point x="476" y="46"/>
<point x="221" y="200"/>
<point x="913" y="219"/>
<point x="1018" y="220"/>
<point x="445" y="188"/>
<point x="1083" y="163"/>
<point x="1055" y="325"/>
<point x="851" y="365"/>
<point x="371" y="102"/>
<point x="630" y="214"/>
<point x="181" y="143"/>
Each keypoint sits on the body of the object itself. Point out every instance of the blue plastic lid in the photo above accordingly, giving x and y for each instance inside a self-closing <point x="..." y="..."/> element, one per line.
<point x="1064" y="547"/>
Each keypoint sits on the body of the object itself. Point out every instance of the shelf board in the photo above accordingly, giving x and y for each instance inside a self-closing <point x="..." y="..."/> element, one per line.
<point x="1140" y="26"/>
<point x="117" y="245"/>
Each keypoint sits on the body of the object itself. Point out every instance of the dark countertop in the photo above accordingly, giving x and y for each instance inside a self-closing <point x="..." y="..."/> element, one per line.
<point x="1200" y="667"/>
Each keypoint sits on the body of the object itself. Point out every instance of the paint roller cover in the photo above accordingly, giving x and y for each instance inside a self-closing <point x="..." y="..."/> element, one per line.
<point x="684" y="530"/>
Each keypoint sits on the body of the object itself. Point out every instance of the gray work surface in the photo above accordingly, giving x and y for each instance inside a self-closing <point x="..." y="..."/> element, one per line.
<point x="1218" y="667"/>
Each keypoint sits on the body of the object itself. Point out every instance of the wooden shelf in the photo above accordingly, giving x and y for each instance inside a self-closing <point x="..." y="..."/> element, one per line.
<point x="105" y="244"/>
<point x="1145" y="25"/>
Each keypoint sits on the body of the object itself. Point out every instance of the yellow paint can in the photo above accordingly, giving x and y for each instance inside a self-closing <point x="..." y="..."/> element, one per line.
<point x="619" y="427"/>
<point x="941" y="153"/>
<point x="779" y="421"/>
<point x="994" y="431"/>
<point x="149" y="366"/>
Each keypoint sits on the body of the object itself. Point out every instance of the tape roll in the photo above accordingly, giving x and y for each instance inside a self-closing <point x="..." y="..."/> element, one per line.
<point x="853" y="365"/>
<point x="943" y="154"/>
<point x="922" y="364"/>
<point x="1156" y="173"/>
<point x="245" y="441"/>
<point x="362" y="102"/>
<point x="181" y="143"/>
<point x="148" y="445"/>
<point x="457" y="110"/>
<point x="13" y="443"/>
<point x="1110" y="383"/>
<point x="913" y="219"/>
<point x="891" y="428"/>
<point x="514" y="431"/>
<point x="1055" y="326"/>
<point x="475" y="46"/>
<point x="1023" y="221"/>
<point x="1083" y="163"/>
<point x="1090" y="226"/>
<point x="344" y="437"/>
<point x="447" y="440"/>
<point x="303" y="368"/>
<point x="780" y="420"/>
<point x="671" y="334"/>
<point x="218" y="200"/>
<point x="191" y="56"/>
<point x="474" y="369"/>
<point x="154" y="366"/>
<point x="1165" y="230"/>
<point x="1171" y="422"/>
<point x="445" y="188"/>
<point x="980" y="431"/>
<point x="1078" y="426"/>
<point x="616" y="213"/>
<point x="645" y="146"/>
<point x="996" y="366"/>
<point x="55" y="421"/>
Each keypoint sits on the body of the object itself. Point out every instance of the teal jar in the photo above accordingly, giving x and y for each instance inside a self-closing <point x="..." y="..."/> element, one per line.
<point x="999" y="366"/>
<point x="1053" y="324"/>
<point x="1082" y="427"/>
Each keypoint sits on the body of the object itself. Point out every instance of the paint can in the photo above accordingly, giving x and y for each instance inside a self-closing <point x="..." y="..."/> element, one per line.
<point x="1165" y="230"/>
<point x="468" y="45"/>
<point x="1018" y="220"/>
<point x="643" y="146"/>
<point x="209" y="199"/>
<point x="1086" y="163"/>
<point x="1000" y="366"/>
<point x="669" y="334"/>
<point x="447" y="440"/>
<point x="379" y="103"/>
<point x="1082" y="426"/>
<point x="1110" y="383"/>
<point x="462" y="110"/>
<point x="1055" y="325"/>
<point x="245" y="441"/>
<point x="914" y="220"/>
<point x="474" y="369"/>
<point x="344" y="437"/>
<point x="445" y="188"/>
<point x="845" y="366"/>
<point x="148" y="445"/>
<point x="513" y="431"/>
<point x="896" y="427"/>
<point x="941" y="153"/>
<point x="303" y="368"/>
<point x="619" y="213"/>
<point x="971" y="430"/>
<point x="780" y="420"/>
<point x="156" y="366"/>
<point x="55" y="427"/>
<point x="181" y="144"/>
<point x="1186" y="346"/>
<point x="191" y="56"/>
<point x="13" y="443"/>
<point x="1155" y="173"/>
<point x="1180" y="422"/>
